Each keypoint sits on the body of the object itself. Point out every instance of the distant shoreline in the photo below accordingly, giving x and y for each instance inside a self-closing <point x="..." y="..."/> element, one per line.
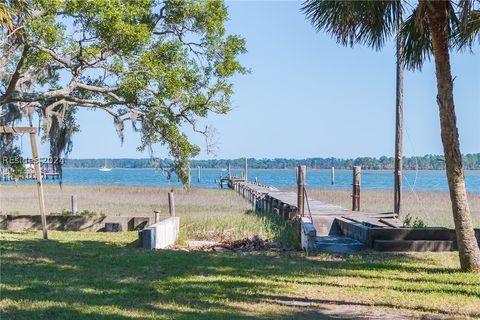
<point x="269" y="169"/>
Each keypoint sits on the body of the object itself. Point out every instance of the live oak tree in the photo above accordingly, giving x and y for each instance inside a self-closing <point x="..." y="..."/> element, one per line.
<point x="159" y="65"/>
<point x="432" y="28"/>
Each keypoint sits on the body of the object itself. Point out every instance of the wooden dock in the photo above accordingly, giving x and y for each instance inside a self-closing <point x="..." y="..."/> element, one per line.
<point x="46" y="171"/>
<point x="272" y="200"/>
<point x="328" y="227"/>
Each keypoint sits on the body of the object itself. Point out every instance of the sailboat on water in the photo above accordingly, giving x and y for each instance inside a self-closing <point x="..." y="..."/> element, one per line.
<point x="105" y="168"/>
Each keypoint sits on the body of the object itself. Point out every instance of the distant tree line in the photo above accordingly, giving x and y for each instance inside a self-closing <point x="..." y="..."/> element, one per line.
<point x="427" y="162"/>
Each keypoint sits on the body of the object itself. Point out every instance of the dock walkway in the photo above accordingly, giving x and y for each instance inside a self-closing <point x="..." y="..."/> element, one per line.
<point x="325" y="217"/>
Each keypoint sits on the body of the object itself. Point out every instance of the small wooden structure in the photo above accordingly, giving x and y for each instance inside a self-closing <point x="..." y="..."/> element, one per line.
<point x="36" y="164"/>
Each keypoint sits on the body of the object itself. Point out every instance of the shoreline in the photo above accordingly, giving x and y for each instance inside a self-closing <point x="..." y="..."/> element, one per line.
<point x="273" y="169"/>
<point x="199" y="188"/>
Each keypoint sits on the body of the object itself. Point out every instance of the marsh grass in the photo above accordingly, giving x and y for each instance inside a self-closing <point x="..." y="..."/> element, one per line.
<point x="433" y="208"/>
<point x="91" y="275"/>
<point x="205" y="214"/>
<point x="116" y="200"/>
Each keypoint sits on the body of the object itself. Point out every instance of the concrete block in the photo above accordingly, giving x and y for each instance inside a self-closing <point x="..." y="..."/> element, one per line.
<point x="161" y="234"/>
<point x="308" y="234"/>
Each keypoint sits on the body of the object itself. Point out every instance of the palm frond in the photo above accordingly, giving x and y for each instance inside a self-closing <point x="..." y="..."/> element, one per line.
<point x="368" y="23"/>
<point x="417" y="44"/>
<point x="469" y="29"/>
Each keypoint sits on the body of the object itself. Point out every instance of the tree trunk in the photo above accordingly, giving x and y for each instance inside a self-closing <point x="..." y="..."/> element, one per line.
<point x="437" y="13"/>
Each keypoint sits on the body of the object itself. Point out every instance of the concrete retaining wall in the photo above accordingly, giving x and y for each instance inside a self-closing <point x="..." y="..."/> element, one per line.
<point x="368" y="235"/>
<point x="161" y="234"/>
<point x="70" y="223"/>
<point x="308" y="234"/>
<point x="355" y="230"/>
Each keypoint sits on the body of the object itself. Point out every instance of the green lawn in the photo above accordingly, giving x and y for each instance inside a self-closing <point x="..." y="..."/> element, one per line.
<point x="80" y="275"/>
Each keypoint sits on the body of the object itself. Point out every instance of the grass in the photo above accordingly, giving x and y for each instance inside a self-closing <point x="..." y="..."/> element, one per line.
<point x="205" y="214"/>
<point x="434" y="208"/>
<point x="87" y="275"/>
<point x="202" y="207"/>
<point x="116" y="200"/>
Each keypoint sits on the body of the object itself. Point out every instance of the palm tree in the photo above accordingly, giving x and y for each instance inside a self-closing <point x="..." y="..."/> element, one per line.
<point x="432" y="28"/>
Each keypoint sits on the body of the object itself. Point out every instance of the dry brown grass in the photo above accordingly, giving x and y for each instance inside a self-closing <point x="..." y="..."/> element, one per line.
<point x="206" y="214"/>
<point x="110" y="200"/>
<point x="434" y="208"/>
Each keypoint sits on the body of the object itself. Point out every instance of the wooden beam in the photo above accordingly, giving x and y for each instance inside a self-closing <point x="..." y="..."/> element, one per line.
<point x="4" y="129"/>
<point x="38" y="173"/>
<point x="356" y="188"/>
<point x="171" y="204"/>
<point x="301" y="177"/>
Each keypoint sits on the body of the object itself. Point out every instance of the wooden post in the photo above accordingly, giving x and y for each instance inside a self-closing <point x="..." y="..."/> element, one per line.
<point x="301" y="190"/>
<point x="246" y="170"/>
<point x="157" y="215"/>
<point x="286" y="211"/>
<point x="357" y="171"/>
<point x="74" y="205"/>
<point x="38" y="173"/>
<point x="398" y="120"/>
<point x="280" y="207"/>
<point x="171" y="204"/>
<point x="198" y="173"/>
<point x="333" y="175"/>
<point x="229" y="171"/>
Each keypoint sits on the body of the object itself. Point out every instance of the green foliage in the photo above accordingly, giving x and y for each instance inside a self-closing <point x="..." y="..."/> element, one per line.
<point x="409" y="222"/>
<point x="11" y="157"/>
<point x="373" y="23"/>
<point x="426" y="162"/>
<point x="83" y="213"/>
<point x="161" y="65"/>
<point x="351" y="22"/>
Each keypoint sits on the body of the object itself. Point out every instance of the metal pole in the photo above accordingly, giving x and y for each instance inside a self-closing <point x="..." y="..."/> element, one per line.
<point x="333" y="175"/>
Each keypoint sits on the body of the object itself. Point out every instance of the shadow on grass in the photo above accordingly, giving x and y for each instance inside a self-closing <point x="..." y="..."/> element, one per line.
<point x="105" y="280"/>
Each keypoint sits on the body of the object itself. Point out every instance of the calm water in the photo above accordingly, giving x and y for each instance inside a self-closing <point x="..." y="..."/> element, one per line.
<point x="422" y="181"/>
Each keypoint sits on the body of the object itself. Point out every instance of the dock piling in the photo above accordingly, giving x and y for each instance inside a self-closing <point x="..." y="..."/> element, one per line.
<point x="74" y="205"/>
<point x="301" y="190"/>
<point x="357" y="171"/>
<point x="245" y="176"/>
<point x="171" y="204"/>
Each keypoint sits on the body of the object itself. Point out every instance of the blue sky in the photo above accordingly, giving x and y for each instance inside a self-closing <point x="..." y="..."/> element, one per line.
<point x="307" y="96"/>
